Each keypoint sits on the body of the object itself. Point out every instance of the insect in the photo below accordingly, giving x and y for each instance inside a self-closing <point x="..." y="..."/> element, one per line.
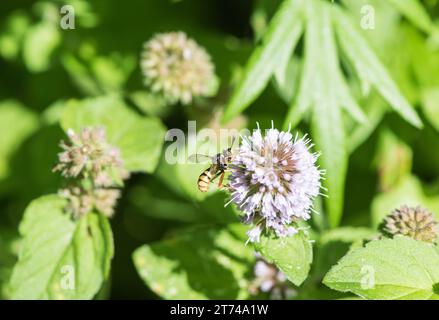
<point x="219" y="166"/>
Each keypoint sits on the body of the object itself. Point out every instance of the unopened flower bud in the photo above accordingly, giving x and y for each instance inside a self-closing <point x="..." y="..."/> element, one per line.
<point x="176" y="67"/>
<point x="417" y="223"/>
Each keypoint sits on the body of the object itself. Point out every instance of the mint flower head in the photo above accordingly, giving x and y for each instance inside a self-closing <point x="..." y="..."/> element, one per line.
<point x="273" y="181"/>
<point x="82" y="201"/>
<point x="414" y="222"/>
<point x="177" y="68"/>
<point x="94" y="169"/>
<point x="88" y="155"/>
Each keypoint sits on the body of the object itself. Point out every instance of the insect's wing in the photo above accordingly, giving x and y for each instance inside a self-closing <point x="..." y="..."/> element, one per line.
<point x="199" y="158"/>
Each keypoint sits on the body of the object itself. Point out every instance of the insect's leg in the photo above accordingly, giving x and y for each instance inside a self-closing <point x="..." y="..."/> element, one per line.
<point x="217" y="174"/>
<point x="220" y="182"/>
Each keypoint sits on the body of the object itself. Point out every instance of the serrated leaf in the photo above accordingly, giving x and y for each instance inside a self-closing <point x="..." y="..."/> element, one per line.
<point x="16" y="124"/>
<point x="278" y="43"/>
<point x="292" y="255"/>
<point x="139" y="139"/>
<point x="201" y="264"/>
<point x="61" y="258"/>
<point x="369" y="68"/>
<point x="399" y="268"/>
<point x="320" y="91"/>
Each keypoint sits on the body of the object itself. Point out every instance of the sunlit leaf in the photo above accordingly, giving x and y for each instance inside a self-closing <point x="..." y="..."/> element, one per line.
<point x="292" y="255"/>
<point x="61" y="258"/>
<point x="415" y="12"/>
<point x="369" y="68"/>
<point x="39" y="44"/>
<point x="400" y="268"/>
<point x="277" y="45"/>
<point x="319" y="90"/>
<point x="199" y="264"/>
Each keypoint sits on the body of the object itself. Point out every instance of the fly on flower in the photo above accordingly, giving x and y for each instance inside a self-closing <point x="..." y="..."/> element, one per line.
<point x="273" y="181"/>
<point x="218" y="168"/>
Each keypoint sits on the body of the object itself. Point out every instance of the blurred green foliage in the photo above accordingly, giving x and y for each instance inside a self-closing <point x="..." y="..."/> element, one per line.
<point x="356" y="91"/>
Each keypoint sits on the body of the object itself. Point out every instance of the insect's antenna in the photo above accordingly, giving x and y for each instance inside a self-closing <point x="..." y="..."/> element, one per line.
<point x="233" y="142"/>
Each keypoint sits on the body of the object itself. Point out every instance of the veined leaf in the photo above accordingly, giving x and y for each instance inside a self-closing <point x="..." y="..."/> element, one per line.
<point x="277" y="45"/>
<point x="399" y="268"/>
<point x="201" y="264"/>
<point x="369" y="68"/>
<point x="292" y="255"/>
<point x="139" y="139"/>
<point x="61" y="258"/>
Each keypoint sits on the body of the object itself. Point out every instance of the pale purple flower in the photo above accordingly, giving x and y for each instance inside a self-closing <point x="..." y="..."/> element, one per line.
<point x="88" y="154"/>
<point x="93" y="168"/>
<point x="82" y="201"/>
<point x="274" y="180"/>
<point x="269" y="279"/>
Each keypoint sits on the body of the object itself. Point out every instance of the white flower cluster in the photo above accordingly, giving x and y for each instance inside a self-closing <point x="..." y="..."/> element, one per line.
<point x="176" y="67"/>
<point x="274" y="179"/>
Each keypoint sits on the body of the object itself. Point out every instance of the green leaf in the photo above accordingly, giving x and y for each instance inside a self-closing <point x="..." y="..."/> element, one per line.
<point x="16" y="124"/>
<point x="61" y="258"/>
<point x="334" y="244"/>
<point x="430" y="105"/>
<point x="40" y="42"/>
<point x="150" y="104"/>
<point x="414" y="11"/>
<point x="375" y="109"/>
<point x="286" y="81"/>
<point x="369" y="68"/>
<point x="80" y="75"/>
<point x="139" y="139"/>
<point x="408" y="192"/>
<point x="292" y="255"/>
<point x="12" y="37"/>
<point x="346" y="234"/>
<point x="320" y="91"/>
<point x="276" y="48"/>
<point x="201" y="264"/>
<point x="399" y="268"/>
<point x="9" y="244"/>
<point x="394" y="160"/>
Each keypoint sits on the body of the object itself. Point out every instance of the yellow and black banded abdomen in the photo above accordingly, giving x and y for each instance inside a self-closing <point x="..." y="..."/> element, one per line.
<point x="204" y="180"/>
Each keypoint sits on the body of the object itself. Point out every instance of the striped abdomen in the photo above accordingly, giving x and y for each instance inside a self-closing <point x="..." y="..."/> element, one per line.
<point x="204" y="180"/>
